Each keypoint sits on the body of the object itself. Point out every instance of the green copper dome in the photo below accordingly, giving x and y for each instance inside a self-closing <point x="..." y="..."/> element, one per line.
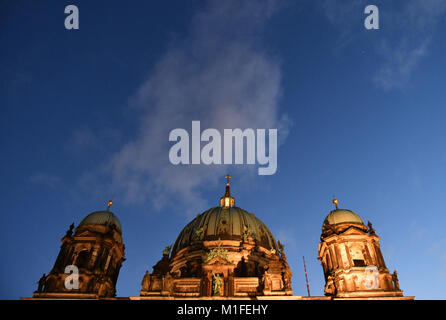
<point x="106" y="218"/>
<point x="342" y="216"/>
<point x="225" y="223"/>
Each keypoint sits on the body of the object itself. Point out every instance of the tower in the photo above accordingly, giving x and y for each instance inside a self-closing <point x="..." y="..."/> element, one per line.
<point x="351" y="258"/>
<point x="89" y="260"/>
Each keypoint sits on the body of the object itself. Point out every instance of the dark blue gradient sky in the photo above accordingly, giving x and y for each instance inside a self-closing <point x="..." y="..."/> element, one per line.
<point x="85" y="116"/>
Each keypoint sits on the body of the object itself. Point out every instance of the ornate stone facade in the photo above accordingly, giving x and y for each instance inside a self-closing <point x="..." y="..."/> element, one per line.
<point x="223" y="252"/>
<point x="96" y="250"/>
<point x="352" y="260"/>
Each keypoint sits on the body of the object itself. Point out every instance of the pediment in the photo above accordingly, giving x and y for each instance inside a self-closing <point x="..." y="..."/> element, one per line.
<point x="354" y="231"/>
<point x="217" y="261"/>
<point x="85" y="233"/>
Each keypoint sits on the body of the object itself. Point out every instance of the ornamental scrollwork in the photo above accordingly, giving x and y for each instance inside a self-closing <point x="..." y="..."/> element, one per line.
<point x="217" y="252"/>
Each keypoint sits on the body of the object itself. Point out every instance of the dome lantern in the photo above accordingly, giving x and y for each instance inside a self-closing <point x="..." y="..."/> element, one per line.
<point x="227" y="201"/>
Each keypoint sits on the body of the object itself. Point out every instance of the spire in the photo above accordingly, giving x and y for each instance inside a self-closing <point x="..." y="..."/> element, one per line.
<point x="227" y="201"/>
<point x="335" y="202"/>
<point x="228" y="192"/>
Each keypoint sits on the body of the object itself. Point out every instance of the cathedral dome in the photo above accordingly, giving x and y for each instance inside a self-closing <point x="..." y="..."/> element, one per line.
<point x="225" y="223"/>
<point x="342" y="216"/>
<point x="105" y="218"/>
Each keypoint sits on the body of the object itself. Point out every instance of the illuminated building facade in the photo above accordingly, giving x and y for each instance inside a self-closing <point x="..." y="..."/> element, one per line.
<point x="223" y="253"/>
<point x="352" y="260"/>
<point x="96" y="252"/>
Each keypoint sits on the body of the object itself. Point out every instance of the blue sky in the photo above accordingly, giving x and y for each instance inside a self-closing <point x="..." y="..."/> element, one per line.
<point x="85" y="116"/>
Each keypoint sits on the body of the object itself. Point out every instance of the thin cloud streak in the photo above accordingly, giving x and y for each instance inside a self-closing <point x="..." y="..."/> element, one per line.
<point x="44" y="179"/>
<point x="405" y="35"/>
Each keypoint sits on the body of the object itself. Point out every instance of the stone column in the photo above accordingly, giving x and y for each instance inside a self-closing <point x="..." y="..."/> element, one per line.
<point x="339" y="256"/>
<point x="349" y="258"/>
<point x="107" y="263"/>
<point x="94" y="254"/>
<point x="368" y="256"/>
<point x="381" y="257"/>
<point x="334" y="258"/>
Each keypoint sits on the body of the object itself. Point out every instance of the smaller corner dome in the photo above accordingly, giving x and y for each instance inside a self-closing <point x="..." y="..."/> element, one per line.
<point x="342" y="216"/>
<point x="105" y="218"/>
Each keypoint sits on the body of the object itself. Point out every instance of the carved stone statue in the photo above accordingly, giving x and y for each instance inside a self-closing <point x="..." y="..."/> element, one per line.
<point x="99" y="281"/>
<point x="280" y="245"/>
<point x="41" y="283"/>
<point x="396" y="283"/>
<point x="166" y="250"/>
<point x="332" y="290"/>
<point x="168" y="282"/>
<point x="199" y="234"/>
<point x="266" y="280"/>
<point x="70" y="231"/>
<point x="102" y="291"/>
<point x="371" y="230"/>
<point x="146" y="281"/>
<point x="245" y="234"/>
<point x="217" y="285"/>
<point x="281" y="249"/>
<point x="287" y="279"/>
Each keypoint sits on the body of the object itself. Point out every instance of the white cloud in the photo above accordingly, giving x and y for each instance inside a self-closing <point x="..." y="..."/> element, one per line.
<point x="219" y="74"/>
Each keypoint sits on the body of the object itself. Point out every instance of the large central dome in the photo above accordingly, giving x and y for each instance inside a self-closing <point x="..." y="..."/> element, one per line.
<point x="225" y="223"/>
<point x="224" y="252"/>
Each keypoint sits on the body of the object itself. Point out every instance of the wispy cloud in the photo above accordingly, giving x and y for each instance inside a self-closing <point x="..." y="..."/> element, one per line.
<point x="399" y="63"/>
<point x="219" y="74"/>
<point x="346" y="17"/>
<point x="405" y="34"/>
<point x="44" y="179"/>
<point x="85" y="139"/>
<point x="415" y="25"/>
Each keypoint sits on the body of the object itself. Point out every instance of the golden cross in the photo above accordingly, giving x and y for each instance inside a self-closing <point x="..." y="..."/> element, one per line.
<point x="227" y="177"/>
